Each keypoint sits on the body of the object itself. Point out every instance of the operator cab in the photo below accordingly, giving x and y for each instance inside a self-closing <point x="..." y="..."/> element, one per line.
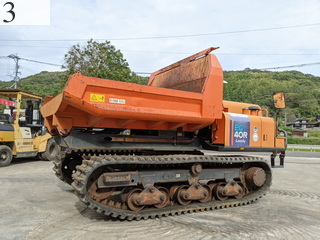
<point x="22" y="111"/>
<point x="5" y="118"/>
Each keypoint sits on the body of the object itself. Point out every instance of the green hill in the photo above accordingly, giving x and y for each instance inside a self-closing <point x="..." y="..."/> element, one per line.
<point x="43" y="83"/>
<point x="302" y="91"/>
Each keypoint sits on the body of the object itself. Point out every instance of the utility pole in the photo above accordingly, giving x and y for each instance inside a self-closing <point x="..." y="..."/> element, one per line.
<point x="16" y="77"/>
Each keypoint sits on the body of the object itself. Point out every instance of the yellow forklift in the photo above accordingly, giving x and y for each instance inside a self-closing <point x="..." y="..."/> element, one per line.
<point x="22" y="134"/>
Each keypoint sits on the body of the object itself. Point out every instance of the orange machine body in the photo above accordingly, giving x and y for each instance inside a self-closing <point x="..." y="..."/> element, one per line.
<point x="187" y="95"/>
<point x="246" y="127"/>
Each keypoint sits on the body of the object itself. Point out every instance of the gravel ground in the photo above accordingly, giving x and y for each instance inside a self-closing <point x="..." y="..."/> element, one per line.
<point x="37" y="205"/>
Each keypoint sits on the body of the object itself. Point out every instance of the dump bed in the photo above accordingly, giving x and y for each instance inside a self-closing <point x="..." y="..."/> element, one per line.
<point x="186" y="94"/>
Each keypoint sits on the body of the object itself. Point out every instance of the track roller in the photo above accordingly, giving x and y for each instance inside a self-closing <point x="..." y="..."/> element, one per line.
<point x="137" y="198"/>
<point x="184" y="194"/>
<point x="224" y="190"/>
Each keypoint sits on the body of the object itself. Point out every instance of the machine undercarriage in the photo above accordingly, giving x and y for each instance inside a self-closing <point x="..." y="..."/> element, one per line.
<point x="131" y="181"/>
<point x="153" y="186"/>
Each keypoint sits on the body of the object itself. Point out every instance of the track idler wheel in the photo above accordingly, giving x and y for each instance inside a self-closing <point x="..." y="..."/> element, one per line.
<point x="96" y="193"/>
<point x="68" y="166"/>
<point x="255" y="176"/>
<point x="99" y="194"/>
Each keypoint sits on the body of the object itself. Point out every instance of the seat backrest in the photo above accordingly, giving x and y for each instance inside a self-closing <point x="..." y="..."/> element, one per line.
<point x="6" y="118"/>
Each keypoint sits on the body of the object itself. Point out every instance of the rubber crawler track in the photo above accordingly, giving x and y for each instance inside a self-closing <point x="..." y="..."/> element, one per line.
<point x="57" y="166"/>
<point x="88" y="166"/>
<point x="58" y="162"/>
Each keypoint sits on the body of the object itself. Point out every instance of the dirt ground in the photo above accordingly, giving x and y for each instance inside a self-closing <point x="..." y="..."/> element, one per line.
<point x="35" y="204"/>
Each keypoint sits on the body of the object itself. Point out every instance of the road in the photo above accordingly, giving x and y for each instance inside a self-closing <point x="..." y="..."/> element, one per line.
<point x="36" y="205"/>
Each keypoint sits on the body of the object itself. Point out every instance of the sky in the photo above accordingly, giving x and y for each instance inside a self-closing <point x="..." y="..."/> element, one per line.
<point x="152" y="34"/>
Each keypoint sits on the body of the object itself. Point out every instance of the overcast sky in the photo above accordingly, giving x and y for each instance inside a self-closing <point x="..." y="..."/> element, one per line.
<point x="153" y="34"/>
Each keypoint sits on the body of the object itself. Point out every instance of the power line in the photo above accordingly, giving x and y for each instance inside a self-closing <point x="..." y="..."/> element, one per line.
<point x="269" y="54"/>
<point x="34" y="46"/>
<point x="270" y="68"/>
<point x="291" y="66"/>
<point x="29" y="60"/>
<point x="142" y="73"/>
<point x="230" y="54"/>
<point x="217" y="33"/>
<point x="184" y="53"/>
<point x="163" y="37"/>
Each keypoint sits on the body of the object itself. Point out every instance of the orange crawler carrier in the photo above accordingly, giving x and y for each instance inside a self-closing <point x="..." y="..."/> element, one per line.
<point x="134" y="151"/>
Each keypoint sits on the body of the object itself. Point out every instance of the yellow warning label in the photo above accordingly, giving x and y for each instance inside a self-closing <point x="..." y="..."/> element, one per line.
<point x="97" y="97"/>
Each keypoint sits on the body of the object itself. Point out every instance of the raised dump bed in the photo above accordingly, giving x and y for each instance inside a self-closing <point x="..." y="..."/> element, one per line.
<point x="186" y="94"/>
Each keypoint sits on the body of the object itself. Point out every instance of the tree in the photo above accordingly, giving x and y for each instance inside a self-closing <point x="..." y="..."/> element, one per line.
<point x="100" y="60"/>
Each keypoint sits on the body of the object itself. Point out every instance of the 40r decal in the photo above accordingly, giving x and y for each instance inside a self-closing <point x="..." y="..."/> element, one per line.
<point x="239" y="130"/>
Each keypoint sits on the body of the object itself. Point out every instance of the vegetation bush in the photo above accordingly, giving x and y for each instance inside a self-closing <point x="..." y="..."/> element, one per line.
<point x="302" y="91"/>
<point x="304" y="141"/>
